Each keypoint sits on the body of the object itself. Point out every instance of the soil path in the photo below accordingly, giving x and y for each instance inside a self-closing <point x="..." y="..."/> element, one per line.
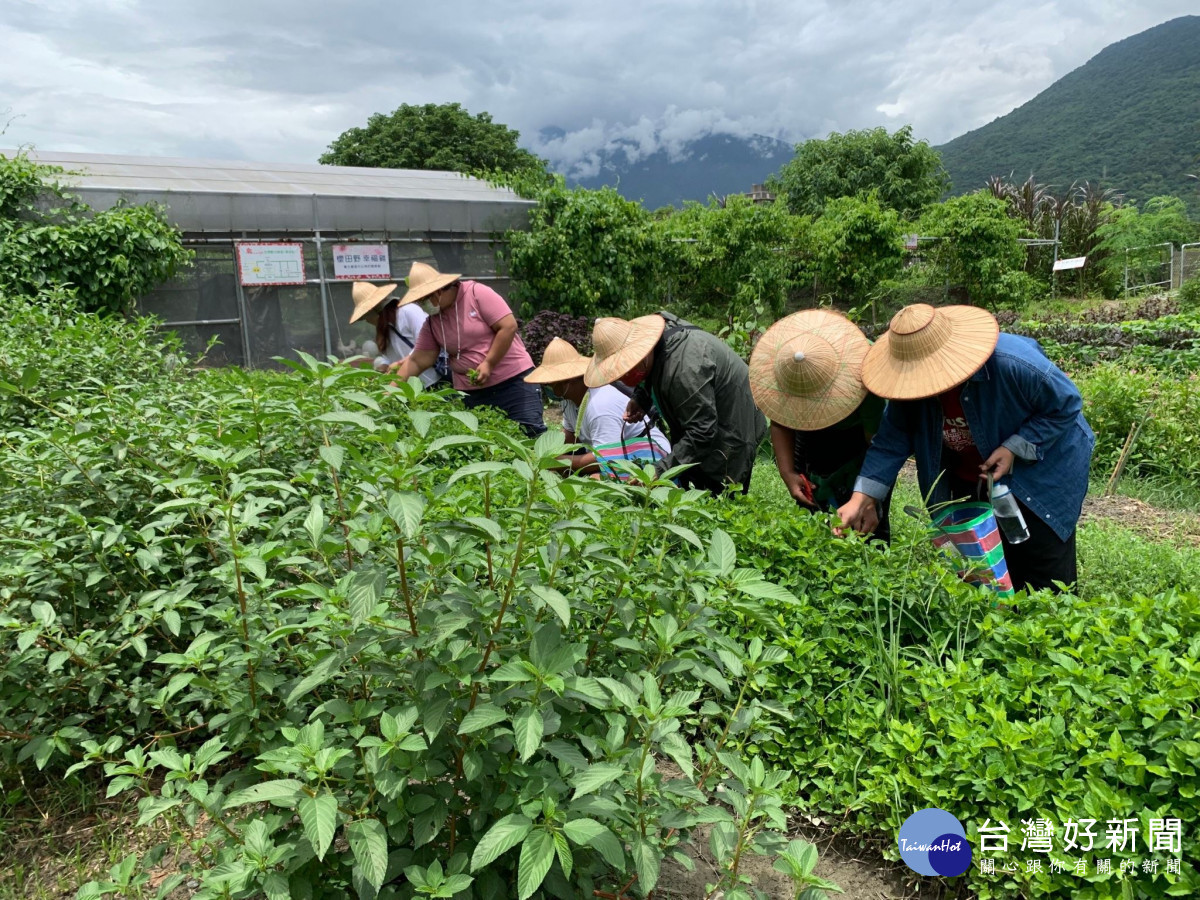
<point x="1152" y="522"/>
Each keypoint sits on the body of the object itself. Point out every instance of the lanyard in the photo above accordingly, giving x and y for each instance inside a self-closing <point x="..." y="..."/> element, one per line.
<point x="579" y="418"/>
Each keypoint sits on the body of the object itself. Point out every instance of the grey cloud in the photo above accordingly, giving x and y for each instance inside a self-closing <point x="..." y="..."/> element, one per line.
<point x="276" y="81"/>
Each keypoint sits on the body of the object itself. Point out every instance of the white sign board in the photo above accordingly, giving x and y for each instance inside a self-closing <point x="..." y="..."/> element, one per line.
<point x="912" y="241"/>
<point x="361" y="261"/>
<point x="1075" y="262"/>
<point x="270" y="263"/>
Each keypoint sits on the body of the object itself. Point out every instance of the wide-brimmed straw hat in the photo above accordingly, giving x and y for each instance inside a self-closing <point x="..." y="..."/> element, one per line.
<point x="423" y="279"/>
<point x="806" y="370"/>
<point x="367" y="297"/>
<point x="927" y="351"/>
<point x="560" y="362"/>
<point x="619" y="345"/>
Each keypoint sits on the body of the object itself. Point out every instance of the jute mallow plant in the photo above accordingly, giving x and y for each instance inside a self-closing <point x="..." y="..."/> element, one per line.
<point x="363" y="643"/>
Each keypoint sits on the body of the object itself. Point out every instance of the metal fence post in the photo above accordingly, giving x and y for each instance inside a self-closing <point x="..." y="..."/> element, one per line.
<point x="242" y="310"/>
<point x="325" y="300"/>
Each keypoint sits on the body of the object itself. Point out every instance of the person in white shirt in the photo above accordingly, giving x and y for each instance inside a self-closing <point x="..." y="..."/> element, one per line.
<point x="593" y="417"/>
<point x="396" y="327"/>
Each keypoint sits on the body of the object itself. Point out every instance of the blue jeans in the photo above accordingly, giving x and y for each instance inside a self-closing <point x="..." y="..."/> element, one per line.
<point x="516" y="398"/>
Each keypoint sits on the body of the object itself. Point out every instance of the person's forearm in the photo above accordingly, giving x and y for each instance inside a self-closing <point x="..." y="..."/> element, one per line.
<point x="783" y="442"/>
<point x="583" y="463"/>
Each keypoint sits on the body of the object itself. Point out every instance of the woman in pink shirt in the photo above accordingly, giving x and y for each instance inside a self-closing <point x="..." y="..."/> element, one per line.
<point x="478" y="331"/>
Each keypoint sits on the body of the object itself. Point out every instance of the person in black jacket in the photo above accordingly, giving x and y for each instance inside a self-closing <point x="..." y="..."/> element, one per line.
<point x="696" y="383"/>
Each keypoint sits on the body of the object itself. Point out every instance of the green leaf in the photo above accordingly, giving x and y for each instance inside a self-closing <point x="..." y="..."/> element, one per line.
<point x="527" y="726"/>
<point x="42" y="612"/>
<point x="29" y="377"/>
<point x="537" y="855"/>
<point x="362" y="597"/>
<point x="405" y="509"/>
<point x="595" y="777"/>
<point x="365" y="399"/>
<point x="646" y="860"/>
<point x="255" y="566"/>
<point x="478" y="468"/>
<point x="368" y="840"/>
<point x="721" y="554"/>
<point x="556" y="601"/>
<point x="283" y="791"/>
<point x="565" y="858"/>
<point x="453" y="440"/>
<point x="333" y="455"/>
<point x="173" y="621"/>
<point x="150" y="808"/>
<point x="276" y="887"/>
<point x="319" y="816"/>
<point x="320" y="673"/>
<point x="362" y="420"/>
<point x="489" y="526"/>
<point x="686" y="533"/>
<point x="766" y="590"/>
<point x="481" y="717"/>
<point x="314" y="522"/>
<point x="502" y="836"/>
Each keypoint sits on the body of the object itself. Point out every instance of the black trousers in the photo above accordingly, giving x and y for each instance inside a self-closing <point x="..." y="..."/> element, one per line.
<point x="1039" y="561"/>
<point x="516" y="398"/>
<point x="700" y="481"/>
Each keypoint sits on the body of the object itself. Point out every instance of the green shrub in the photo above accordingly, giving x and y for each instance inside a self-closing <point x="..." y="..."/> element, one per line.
<point x="51" y="240"/>
<point x="1189" y="294"/>
<point x="292" y="606"/>
<point x="908" y="693"/>
<point x="57" y="352"/>
<point x="1168" y="444"/>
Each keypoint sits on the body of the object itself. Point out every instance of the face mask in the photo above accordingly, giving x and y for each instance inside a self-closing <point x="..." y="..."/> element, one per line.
<point x="550" y="392"/>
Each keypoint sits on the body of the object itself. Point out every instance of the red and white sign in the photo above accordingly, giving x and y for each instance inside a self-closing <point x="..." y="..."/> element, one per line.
<point x="264" y="262"/>
<point x="361" y="261"/>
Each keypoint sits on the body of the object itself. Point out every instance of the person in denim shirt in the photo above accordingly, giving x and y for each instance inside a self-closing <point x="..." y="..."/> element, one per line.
<point x="966" y="400"/>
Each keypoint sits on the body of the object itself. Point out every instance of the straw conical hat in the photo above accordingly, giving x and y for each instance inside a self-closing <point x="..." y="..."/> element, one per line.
<point x="560" y="362"/>
<point x="927" y="351"/>
<point x="806" y="370"/>
<point x="619" y="345"/>
<point x="423" y="279"/>
<point x="367" y="296"/>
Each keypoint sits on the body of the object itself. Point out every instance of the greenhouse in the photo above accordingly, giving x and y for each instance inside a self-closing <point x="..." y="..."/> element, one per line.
<point x="277" y="247"/>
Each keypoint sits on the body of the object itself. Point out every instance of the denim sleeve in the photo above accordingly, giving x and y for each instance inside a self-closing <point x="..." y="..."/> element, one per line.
<point x="891" y="446"/>
<point x="1054" y="403"/>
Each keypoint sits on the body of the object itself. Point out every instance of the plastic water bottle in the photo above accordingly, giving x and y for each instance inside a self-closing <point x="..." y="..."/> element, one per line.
<point x="1008" y="514"/>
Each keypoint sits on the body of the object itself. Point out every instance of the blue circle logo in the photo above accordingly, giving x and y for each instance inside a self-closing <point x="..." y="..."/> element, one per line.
<point x="933" y="842"/>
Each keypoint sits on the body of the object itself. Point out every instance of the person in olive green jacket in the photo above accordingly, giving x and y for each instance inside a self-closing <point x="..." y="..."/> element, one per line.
<point x="699" y="386"/>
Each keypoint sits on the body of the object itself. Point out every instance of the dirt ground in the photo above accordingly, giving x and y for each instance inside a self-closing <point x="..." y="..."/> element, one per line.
<point x="861" y="874"/>
<point x="1168" y="526"/>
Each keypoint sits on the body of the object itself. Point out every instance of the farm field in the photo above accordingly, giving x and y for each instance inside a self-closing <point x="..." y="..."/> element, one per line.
<point x="305" y="634"/>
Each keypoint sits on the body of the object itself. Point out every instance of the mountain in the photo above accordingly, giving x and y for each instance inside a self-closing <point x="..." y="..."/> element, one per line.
<point x="715" y="164"/>
<point x="1128" y="119"/>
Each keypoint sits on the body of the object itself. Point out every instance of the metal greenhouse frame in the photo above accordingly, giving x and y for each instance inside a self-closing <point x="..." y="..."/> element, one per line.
<point x="449" y="220"/>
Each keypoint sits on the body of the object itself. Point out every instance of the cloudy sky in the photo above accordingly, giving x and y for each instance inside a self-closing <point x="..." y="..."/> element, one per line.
<point x="276" y="81"/>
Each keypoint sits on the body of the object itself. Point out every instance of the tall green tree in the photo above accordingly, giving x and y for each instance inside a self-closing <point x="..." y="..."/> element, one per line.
<point x="735" y="257"/>
<point x="906" y="175"/>
<point x="586" y="252"/>
<point x="980" y="248"/>
<point x="856" y="244"/>
<point x="442" y="137"/>
<point x="50" y="240"/>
